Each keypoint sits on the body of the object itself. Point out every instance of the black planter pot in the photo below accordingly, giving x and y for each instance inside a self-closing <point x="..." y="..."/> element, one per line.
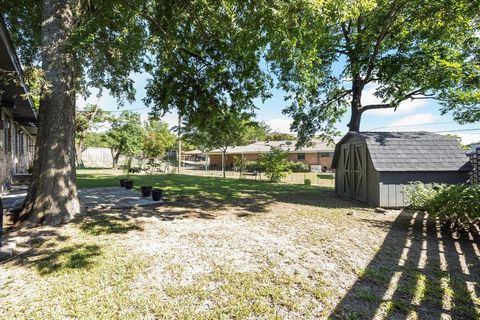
<point x="128" y="184"/>
<point x="122" y="182"/>
<point x="157" y="194"/>
<point x="146" y="191"/>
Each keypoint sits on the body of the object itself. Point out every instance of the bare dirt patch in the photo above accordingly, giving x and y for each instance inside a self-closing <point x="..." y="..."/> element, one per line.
<point x="321" y="258"/>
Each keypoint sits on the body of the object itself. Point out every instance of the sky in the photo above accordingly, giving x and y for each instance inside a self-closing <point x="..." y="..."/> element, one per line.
<point x="417" y="115"/>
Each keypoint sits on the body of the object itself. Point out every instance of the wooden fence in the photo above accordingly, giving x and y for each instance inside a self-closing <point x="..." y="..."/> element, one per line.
<point x="475" y="160"/>
<point x="97" y="157"/>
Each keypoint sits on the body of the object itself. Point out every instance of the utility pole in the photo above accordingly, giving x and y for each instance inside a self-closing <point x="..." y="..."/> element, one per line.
<point x="179" y="156"/>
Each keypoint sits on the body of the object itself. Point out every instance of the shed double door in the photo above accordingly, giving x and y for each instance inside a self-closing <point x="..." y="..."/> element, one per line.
<point x="355" y="171"/>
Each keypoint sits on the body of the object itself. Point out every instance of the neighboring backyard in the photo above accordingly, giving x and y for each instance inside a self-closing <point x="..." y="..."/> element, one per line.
<point x="233" y="248"/>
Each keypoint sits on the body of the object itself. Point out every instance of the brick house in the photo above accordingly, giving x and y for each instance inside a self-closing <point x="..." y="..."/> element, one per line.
<point x="319" y="155"/>
<point x="18" y="117"/>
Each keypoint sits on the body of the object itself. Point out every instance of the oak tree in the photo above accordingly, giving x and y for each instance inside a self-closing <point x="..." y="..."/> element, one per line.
<point x="326" y="53"/>
<point x="78" y="44"/>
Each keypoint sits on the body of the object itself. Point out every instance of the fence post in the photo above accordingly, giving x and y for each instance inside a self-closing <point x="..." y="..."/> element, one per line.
<point x="475" y="160"/>
<point x="1" y="222"/>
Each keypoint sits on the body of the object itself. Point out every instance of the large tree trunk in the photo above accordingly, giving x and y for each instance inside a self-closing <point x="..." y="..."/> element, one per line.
<point x="179" y="156"/>
<point x="116" y="157"/>
<point x="52" y="196"/>
<point x="223" y="163"/>
<point x="356" y="107"/>
<point x="356" y="116"/>
<point x="80" y="163"/>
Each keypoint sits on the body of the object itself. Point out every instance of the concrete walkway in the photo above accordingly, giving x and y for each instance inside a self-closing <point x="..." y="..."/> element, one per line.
<point x="113" y="198"/>
<point x="93" y="198"/>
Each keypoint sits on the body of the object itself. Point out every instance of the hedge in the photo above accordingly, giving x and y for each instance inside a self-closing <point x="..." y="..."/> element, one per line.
<point x="456" y="206"/>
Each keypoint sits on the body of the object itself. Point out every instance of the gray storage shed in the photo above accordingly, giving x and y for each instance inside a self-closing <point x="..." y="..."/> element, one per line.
<point x="373" y="167"/>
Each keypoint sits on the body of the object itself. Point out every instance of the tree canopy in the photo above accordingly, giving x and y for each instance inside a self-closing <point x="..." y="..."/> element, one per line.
<point x="158" y="139"/>
<point x="325" y="53"/>
<point x="126" y="135"/>
<point x="213" y="66"/>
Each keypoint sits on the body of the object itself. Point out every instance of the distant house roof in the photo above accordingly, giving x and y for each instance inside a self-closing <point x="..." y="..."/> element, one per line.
<point x="194" y="152"/>
<point x="265" y="146"/>
<point x="411" y="151"/>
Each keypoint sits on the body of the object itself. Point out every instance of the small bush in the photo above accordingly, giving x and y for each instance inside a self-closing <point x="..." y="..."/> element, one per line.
<point x="275" y="164"/>
<point x="456" y="206"/>
<point x="307" y="182"/>
<point x="252" y="166"/>
<point x="297" y="167"/>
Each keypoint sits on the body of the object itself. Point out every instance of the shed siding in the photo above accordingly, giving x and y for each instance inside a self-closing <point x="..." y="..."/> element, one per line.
<point x="394" y="154"/>
<point x="372" y="183"/>
<point x="391" y="184"/>
<point x="371" y="175"/>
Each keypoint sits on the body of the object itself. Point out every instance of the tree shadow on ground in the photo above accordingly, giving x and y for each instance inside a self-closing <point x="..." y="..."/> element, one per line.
<point x="65" y="258"/>
<point x="213" y="193"/>
<point x="194" y="197"/>
<point x="421" y="271"/>
<point x="43" y="249"/>
<point x="106" y="223"/>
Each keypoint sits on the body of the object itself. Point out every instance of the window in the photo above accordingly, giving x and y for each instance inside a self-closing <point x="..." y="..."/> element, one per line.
<point x="7" y="131"/>
<point x="5" y="136"/>
<point x="21" y="146"/>
<point x="300" y="156"/>
<point x="326" y="154"/>
<point x="15" y="150"/>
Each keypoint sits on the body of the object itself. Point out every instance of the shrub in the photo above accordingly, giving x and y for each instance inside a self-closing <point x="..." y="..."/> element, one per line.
<point x="251" y="166"/>
<point x="275" y="164"/>
<point x="307" y="182"/>
<point x="456" y="206"/>
<point x="297" y="167"/>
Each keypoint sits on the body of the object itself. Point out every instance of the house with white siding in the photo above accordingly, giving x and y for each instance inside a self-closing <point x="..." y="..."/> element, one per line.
<point x="18" y="116"/>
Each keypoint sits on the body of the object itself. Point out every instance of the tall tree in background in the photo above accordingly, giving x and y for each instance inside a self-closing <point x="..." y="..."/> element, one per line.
<point x="326" y="53"/>
<point x="78" y="44"/>
<point x="224" y="129"/>
<point x="258" y="132"/>
<point x="126" y="136"/>
<point x="86" y="120"/>
<point x="158" y="140"/>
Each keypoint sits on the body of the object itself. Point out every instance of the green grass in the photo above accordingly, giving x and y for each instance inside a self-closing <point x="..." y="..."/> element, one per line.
<point x="212" y="188"/>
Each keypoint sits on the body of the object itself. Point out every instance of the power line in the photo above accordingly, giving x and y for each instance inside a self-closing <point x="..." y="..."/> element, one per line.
<point x="127" y="110"/>
<point x="412" y="125"/>
<point x="462" y="130"/>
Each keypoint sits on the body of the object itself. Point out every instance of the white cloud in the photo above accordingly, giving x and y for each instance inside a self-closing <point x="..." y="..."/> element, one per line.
<point x="414" y="119"/>
<point x="405" y="107"/>
<point x="280" y="125"/>
<point x="468" y="138"/>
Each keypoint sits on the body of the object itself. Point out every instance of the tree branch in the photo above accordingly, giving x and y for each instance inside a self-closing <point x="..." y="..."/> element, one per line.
<point x="376" y="106"/>
<point x="338" y="97"/>
<point x="383" y="33"/>
<point x="411" y="95"/>
<point x="346" y="35"/>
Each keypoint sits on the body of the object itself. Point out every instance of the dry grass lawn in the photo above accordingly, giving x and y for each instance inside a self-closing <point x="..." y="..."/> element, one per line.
<point x="282" y="253"/>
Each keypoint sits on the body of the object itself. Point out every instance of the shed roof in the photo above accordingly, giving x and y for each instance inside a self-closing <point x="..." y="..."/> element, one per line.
<point x="265" y="147"/>
<point x="411" y="151"/>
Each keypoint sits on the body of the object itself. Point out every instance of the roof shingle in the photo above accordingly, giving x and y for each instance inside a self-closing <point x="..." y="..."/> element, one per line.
<point x="414" y="151"/>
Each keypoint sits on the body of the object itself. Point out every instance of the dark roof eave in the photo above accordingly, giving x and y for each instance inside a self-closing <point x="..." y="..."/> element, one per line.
<point x="16" y="63"/>
<point x="416" y="171"/>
